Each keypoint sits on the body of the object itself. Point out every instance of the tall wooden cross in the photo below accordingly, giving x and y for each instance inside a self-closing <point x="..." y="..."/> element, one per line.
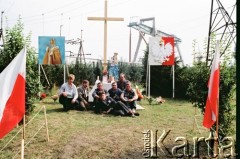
<point x="105" y="19"/>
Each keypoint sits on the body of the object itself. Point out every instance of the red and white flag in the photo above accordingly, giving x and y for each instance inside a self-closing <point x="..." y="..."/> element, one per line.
<point x="211" y="109"/>
<point x="12" y="93"/>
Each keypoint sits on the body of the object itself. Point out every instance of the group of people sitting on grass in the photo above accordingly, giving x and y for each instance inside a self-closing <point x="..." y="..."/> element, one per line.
<point x="119" y="100"/>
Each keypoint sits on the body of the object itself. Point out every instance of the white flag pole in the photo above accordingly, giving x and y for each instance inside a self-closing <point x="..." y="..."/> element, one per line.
<point x="149" y="80"/>
<point x="173" y="68"/>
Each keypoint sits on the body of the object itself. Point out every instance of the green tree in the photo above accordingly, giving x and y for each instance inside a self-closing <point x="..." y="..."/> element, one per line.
<point x="98" y="70"/>
<point x="135" y="73"/>
<point x="14" y="43"/>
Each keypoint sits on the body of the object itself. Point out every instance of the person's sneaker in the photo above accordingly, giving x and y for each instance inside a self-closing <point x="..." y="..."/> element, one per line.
<point x="136" y="113"/>
<point x="133" y="116"/>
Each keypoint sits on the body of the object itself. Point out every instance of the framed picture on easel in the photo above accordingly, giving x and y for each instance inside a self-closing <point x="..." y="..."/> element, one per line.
<point x="51" y="50"/>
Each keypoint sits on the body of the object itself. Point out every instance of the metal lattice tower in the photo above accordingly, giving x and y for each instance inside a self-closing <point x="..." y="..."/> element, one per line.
<point x="1" y="30"/>
<point x="222" y="25"/>
<point x="80" y="55"/>
<point x="139" y="24"/>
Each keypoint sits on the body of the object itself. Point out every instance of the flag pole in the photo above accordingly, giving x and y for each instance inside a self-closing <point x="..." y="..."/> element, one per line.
<point x="217" y="120"/>
<point x="23" y="137"/>
<point x="173" y="91"/>
<point x="217" y="127"/>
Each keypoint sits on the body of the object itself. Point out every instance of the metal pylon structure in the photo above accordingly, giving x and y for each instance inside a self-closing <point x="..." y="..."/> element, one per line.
<point x="80" y="55"/>
<point x="221" y="25"/>
<point x="141" y="26"/>
<point x="1" y="30"/>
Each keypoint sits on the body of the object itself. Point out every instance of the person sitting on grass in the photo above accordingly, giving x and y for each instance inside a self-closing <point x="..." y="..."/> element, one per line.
<point x="129" y="97"/>
<point x="95" y="94"/>
<point x="115" y="93"/>
<point x="83" y="94"/>
<point x="68" y="94"/>
<point x="121" y="83"/>
<point x="107" y="105"/>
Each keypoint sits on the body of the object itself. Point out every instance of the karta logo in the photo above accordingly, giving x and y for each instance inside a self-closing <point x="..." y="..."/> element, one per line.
<point x="155" y="146"/>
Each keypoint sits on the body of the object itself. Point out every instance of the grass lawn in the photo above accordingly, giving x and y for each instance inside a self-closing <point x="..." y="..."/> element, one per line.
<point x="76" y="134"/>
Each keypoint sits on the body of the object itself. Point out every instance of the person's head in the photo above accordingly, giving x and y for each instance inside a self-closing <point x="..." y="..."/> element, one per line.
<point x="114" y="85"/>
<point x="71" y="78"/>
<point x="122" y="77"/>
<point x="52" y="42"/>
<point x="85" y="83"/>
<point x="128" y="85"/>
<point x="102" y="95"/>
<point x="100" y="86"/>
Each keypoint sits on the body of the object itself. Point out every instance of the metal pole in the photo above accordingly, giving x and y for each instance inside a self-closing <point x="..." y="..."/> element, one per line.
<point x="39" y="78"/>
<point x="2" y="18"/>
<point x="1" y="29"/>
<point x="173" y="67"/>
<point x="209" y="33"/>
<point x="64" y="72"/>
<point x="130" y="45"/>
<point x="149" y="80"/>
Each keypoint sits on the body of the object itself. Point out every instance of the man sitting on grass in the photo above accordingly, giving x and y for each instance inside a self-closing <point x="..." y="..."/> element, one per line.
<point x="115" y="92"/>
<point x="129" y="97"/>
<point x="95" y="94"/>
<point x="68" y="94"/>
<point x="107" y="105"/>
<point x="83" y="94"/>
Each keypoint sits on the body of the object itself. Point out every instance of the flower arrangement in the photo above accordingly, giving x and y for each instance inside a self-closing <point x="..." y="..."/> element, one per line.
<point x="160" y="100"/>
<point x="42" y="96"/>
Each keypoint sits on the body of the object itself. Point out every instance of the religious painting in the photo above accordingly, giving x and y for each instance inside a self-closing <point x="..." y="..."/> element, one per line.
<point x="51" y="50"/>
<point x="161" y="51"/>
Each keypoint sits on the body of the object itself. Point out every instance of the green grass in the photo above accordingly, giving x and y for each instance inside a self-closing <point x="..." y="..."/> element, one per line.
<point x="76" y="134"/>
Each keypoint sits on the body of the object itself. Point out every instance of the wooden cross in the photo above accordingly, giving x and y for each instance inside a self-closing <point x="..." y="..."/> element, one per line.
<point x="105" y="19"/>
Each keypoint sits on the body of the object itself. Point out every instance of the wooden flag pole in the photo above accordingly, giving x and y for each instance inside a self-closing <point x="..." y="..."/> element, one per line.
<point x="23" y="137"/>
<point x="46" y="122"/>
<point x="217" y="127"/>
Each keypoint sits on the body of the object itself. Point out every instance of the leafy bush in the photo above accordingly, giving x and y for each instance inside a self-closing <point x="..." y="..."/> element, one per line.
<point x="198" y="91"/>
<point x="14" y="42"/>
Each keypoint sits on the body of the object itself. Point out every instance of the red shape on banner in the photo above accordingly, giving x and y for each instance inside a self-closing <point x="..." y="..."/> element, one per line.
<point x="170" y="59"/>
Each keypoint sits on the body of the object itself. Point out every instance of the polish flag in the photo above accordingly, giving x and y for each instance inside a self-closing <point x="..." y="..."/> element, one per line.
<point x="211" y="109"/>
<point x="12" y="93"/>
